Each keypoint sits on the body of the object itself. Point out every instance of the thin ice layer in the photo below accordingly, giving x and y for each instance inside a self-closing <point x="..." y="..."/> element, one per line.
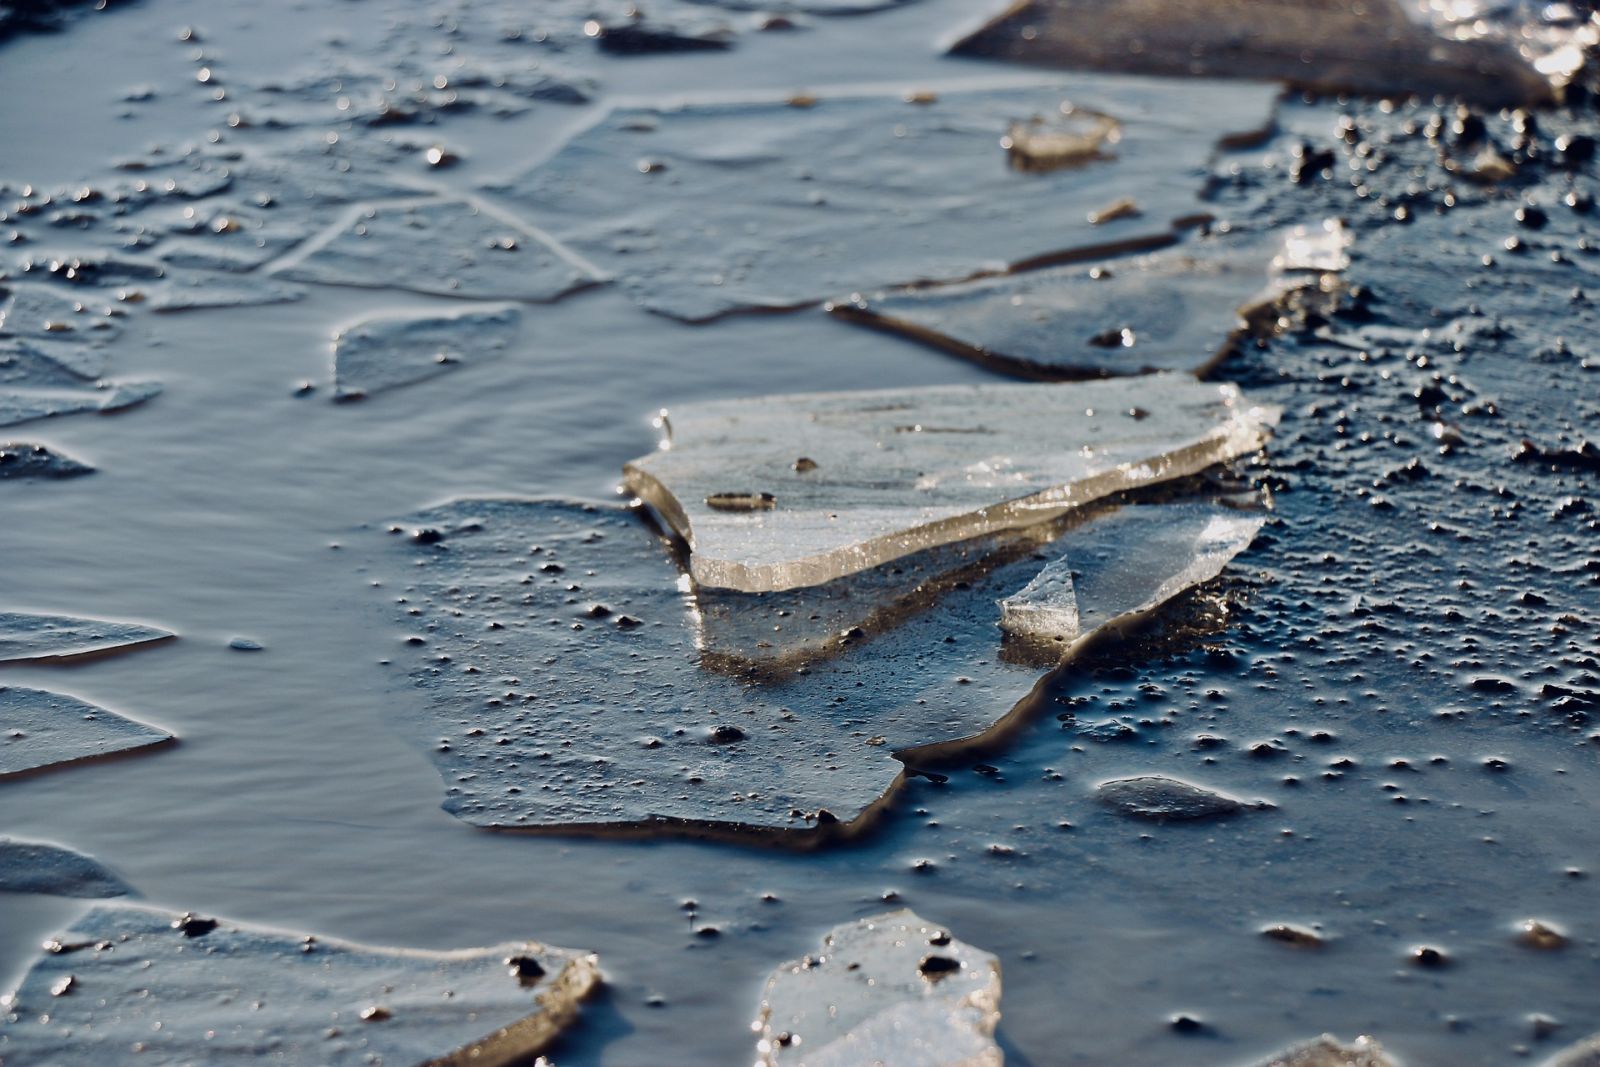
<point x="26" y="637"/>
<point x="1176" y="309"/>
<point x="443" y="247"/>
<point x="778" y="492"/>
<point x="188" y="989"/>
<point x="705" y="209"/>
<point x="38" y="867"/>
<point x="564" y="685"/>
<point x="43" y="729"/>
<point x="892" y="989"/>
<point x="1368" y="46"/>
<point x="384" y="353"/>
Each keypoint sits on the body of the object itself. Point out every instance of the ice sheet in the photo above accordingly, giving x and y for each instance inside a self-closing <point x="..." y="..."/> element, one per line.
<point x="890" y="472"/>
<point x="388" y="352"/>
<point x="705" y="209"/>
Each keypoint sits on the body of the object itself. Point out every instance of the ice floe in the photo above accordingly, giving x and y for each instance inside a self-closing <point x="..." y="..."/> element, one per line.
<point x="1327" y="1051"/>
<point x="41" y="729"/>
<point x="892" y="989"/>
<point x="185" y="989"/>
<point x="27" y="637"/>
<point x="21" y="460"/>
<point x="39" y="867"/>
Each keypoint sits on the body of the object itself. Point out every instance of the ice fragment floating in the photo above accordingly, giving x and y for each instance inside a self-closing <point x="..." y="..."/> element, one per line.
<point x="25" y="637"/>
<point x="37" y="867"/>
<point x="41" y="729"/>
<point x="137" y="977"/>
<point x="21" y="461"/>
<point x="893" y="989"/>
<point x="902" y="470"/>
<point x="1157" y="797"/>
<point x="1327" y="1051"/>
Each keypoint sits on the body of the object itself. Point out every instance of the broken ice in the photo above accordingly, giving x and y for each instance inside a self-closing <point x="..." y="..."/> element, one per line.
<point x="38" y="867"/>
<point x="864" y="191"/>
<point x="1160" y="798"/>
<point x="19" y="461"/>
<point x="25" y="637"/>
<point x="563" y="661"/>
<point x="892" y="989"/>
<point x="42" y="729"/>
<point x="185" y="989"/>
<point x="1326" y="1051"/>
<point x="890" y="472"/>
<point x="384" y="353"/>
<point x="1175" y="309"/>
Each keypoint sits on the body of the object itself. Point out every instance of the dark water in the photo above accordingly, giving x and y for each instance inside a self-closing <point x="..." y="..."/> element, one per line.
<point x="1405" y="662"/>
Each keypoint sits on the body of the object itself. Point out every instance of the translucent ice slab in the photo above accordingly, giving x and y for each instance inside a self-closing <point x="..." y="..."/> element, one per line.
<point x="55" y="637"/>
<point x="779" y="492"/>
<point x="892" y="989"/>
<point x="42" y="729"/>
<point x="183" y="989"/>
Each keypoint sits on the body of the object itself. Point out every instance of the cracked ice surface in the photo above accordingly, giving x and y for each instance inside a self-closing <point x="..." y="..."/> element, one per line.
<point x="893" y="989"/>
<point x="706" y="209"/>
<point x="566" y="682"/>
<point x="134" y="977"/>
<point x="771" y="493"/>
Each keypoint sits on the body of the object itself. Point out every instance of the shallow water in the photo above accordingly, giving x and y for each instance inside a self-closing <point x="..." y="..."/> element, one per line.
<point x="229" y="506"/>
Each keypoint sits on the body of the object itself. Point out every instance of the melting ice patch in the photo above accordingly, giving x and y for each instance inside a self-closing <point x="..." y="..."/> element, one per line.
<point x="892" y="989"/>
<point x="128" y="977"/>
<point x="772" y="493"/>
<point x="705" y="209"/>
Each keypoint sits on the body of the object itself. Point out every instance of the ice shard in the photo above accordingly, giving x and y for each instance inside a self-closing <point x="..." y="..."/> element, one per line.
<point x="771" y="493"/>
<point x="25" y="637"/>
<point x="1044" y="609"/>
<point x="185" y="989"/>
<point x="21" y="460"/>
<point x="443" y="247"/>
<point x="1366" y="46"/>
<point x="705" y="209"/>
<point x="37" y="867"/>
<point x="560" y="666"/>
<point x="1176" y="309"/>
<point x="41" y="729"/>
<point x="892" y="989"/>
<point x="388" y="352"/>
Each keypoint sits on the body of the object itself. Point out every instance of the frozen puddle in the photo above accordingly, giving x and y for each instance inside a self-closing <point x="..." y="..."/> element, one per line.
<point x="866" y="191"/>
<point x="38" y="867"/>
<point x="893" y="989"/>
<point x="385" y="353"/>
<point x="1382" y="46"/>
<point x="1178" y="309"/>
<point x="771" y="493"/>
<point x="41" y="729"/>
<point x="446" y="248"/>
<point x="25" y="637"/>
<point x="185" y="989"/>
<point x="568" y="687"/>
